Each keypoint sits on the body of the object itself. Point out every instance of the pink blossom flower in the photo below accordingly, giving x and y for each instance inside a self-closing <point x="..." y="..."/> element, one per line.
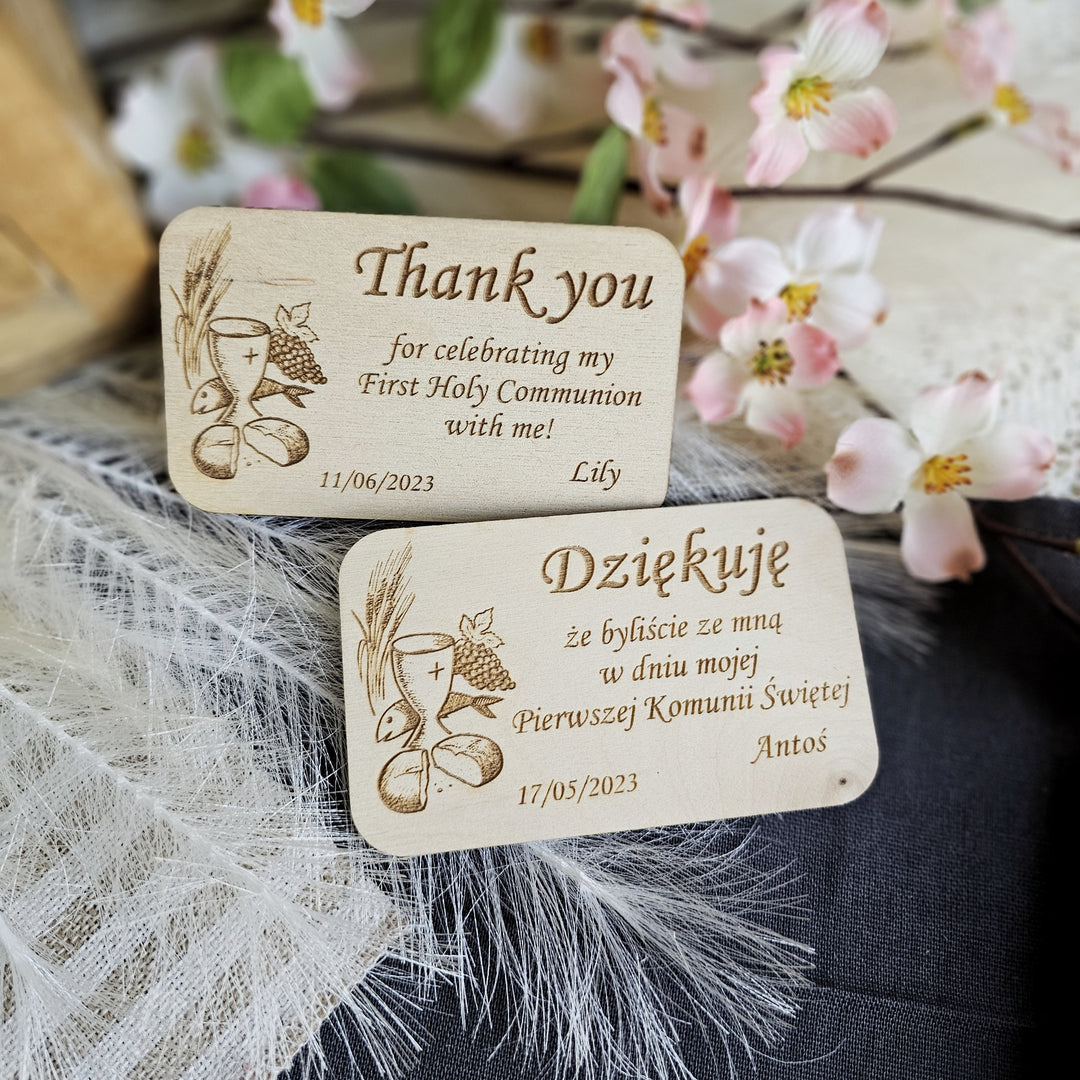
<point x="175" y="128"/>
<point x="669" y="141"/>
<point x="712" y="219"/>
<point x="311" y="32"/>
<point x="812" y="97"/>
<point x="984" y="47"/>
<point x="281" y="191"/>
<point x="957" y="447"/>
<point x="523" y="74"/>
<point x="653" y="50"/>
<point x="823" y="277"/>
<point x="762" y="363"/>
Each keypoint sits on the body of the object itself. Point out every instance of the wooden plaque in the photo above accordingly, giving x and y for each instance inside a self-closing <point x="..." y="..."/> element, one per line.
<point x="522" y="680"/>
<point x="346" y="365"/>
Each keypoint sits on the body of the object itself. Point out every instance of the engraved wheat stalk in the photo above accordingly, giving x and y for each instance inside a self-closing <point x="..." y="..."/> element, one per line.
<point x="203" y="288"/>
<point x="385" y="607"/>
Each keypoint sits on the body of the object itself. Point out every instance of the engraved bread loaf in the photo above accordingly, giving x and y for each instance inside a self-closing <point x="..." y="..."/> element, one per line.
<point x="473" y="759"/>
<point x="216" y="451"/>
<point x="403" y="782"/>
<point x="279" y="440"/>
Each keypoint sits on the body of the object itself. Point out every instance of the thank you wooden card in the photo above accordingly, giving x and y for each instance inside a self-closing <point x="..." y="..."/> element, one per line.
<point x="346" y="365"/>
<point x="521" y="680"/>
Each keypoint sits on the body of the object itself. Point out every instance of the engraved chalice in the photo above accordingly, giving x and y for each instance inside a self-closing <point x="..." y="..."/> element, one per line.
<point x="423" y="669"/>
<point x="239" y="349"/>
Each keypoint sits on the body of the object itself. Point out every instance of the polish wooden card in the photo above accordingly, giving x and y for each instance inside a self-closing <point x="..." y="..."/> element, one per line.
<point x="522" y="680"/>
<point x="347" y="365"/>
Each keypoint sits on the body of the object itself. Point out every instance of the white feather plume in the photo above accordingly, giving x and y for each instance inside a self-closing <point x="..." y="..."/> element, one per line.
<point x="181" y="893"/>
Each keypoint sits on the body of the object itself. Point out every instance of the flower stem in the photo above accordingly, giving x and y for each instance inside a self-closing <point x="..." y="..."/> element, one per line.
<point x="1039" y="581"/>
<point x="953" y="133"/>
<point x="1058" y="543"/>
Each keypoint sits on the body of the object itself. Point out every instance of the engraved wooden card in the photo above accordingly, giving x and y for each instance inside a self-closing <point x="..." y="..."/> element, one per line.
<point x="520" y="680"/>
<point x="347" y="365"/>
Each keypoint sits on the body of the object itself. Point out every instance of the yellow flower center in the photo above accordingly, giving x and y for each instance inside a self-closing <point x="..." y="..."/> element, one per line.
<point x="941" y="474"/>
<point x="694" y="256"/>
<point x="804" y="96"/>
<point x="652" y="122"/>
<point x="772" y="363"/>
<point x="195" y="149"/>
<point x="1009" y="100"/>
<point x="800" y="300"/>
<point x="541" y="41"/>
<point x="308" y="11"/>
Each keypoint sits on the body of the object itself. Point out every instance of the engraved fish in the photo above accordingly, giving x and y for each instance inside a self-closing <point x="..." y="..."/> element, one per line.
<point x="212" y="395"/>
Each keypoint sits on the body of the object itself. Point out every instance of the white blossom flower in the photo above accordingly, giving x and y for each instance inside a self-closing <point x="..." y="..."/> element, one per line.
<point x="762" y="364"/>
<point x="669" y="141"/>
<point x="957" y="447"/>
<point x="523" y="74"/>
<point x="813" y="97"/>
<point x="176" y="129"/>
<point x="823" y="277"/>
<point x="311" y="32"/>
<point x="712" y="219"/>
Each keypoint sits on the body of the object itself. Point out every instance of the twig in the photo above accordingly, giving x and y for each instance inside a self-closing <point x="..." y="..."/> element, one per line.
<point x="953" y="133"/>
<point x="1039" y="581"/>
<point x="1058" y="543"/>
<point x="867" y="400"/>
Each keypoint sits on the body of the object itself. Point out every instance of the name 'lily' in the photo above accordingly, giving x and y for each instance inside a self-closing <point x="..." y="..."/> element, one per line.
<point x="958" y="449"/>
<point x="812" y="97"/>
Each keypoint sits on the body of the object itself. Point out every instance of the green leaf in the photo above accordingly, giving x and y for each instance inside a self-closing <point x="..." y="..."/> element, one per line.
<point x="354" y="181"/>
<point x="266" y="91"/>
<point x="601" y="185"/>
<point x="455" y="48"/>
<point x="968" y="7"/>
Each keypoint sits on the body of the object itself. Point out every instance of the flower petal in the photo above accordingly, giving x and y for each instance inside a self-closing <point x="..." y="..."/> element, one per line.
<point x="683" y="149"/>
<point x="814" y="353"/>
<point x="940" y="541"/>
<point x="700" y="314"/>
<point x="762" y="321"/>
<point x="984" y="47"/>
<point x="835" y="238"/>
<point x="846" y="40"/>
<point x="514" y="87"/>
<point x="857" y="123"/>
<point x="147" y="126"/>
<point x="777" y="151"/>
<point x="872" y="466"/>
<point x="776" y="410"/>
<point x="1048" y="130"/>
<point x="716" y="387"/>
<point x="626" y="48"/>
<point x="625" y="101"/>
<point x="709" y="209"/>
<point x="346" y="9"/>
<point x="943" y="417"/>
<point x="652" y="187"/>
<point x="741" y="271"/>
<point x="334" y="69"/>
<point x="848" y="306"/>
<point x="1009" y="463"/>
<point x="280" y="192"/>
<point x="777" y="63"/>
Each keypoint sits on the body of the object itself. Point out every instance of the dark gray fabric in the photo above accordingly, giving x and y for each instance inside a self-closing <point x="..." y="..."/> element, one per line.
<point x="940" y="901"/>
